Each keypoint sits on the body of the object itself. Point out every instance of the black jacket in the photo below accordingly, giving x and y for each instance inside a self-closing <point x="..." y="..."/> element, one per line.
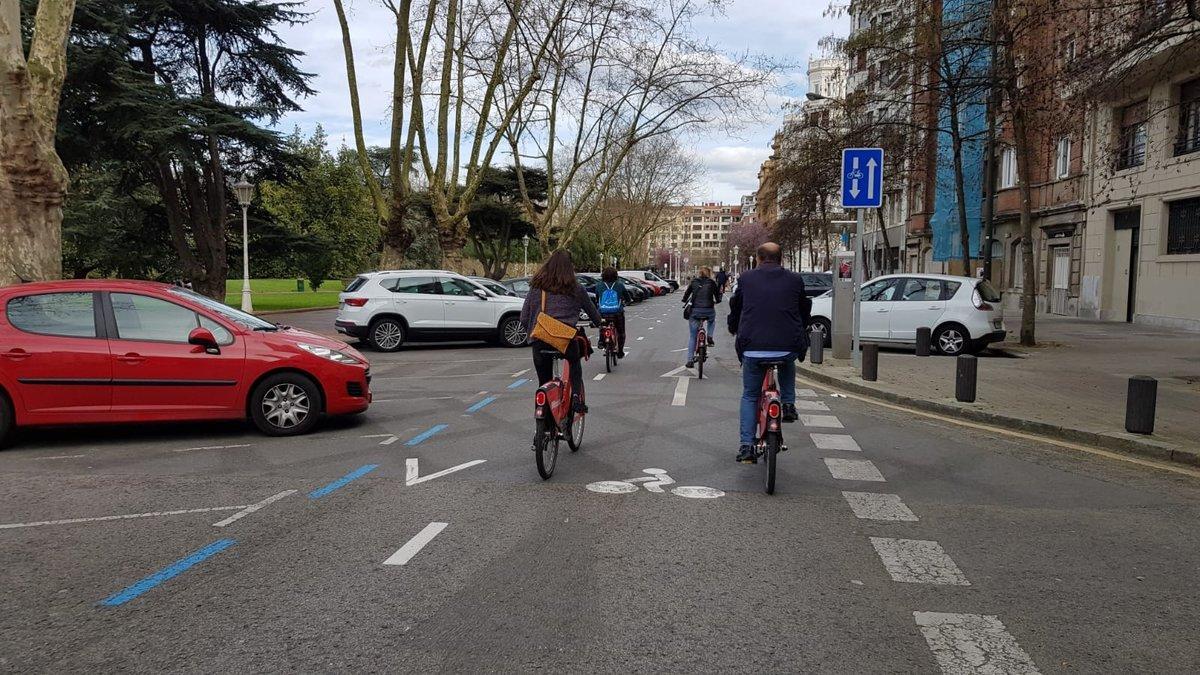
<point x="704" y="293"/>
<point x="769" y="311"/>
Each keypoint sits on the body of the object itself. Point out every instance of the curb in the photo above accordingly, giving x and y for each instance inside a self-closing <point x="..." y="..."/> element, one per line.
<point x="1127" y="443"/>
<point x="295" y="311"/>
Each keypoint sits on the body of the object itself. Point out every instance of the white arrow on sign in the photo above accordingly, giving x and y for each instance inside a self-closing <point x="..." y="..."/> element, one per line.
<point x="854" y="179"/>
<point x="871" y="178"/>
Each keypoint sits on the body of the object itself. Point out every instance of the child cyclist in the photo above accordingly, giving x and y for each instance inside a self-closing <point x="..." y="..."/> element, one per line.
<point x="613" y="296"/>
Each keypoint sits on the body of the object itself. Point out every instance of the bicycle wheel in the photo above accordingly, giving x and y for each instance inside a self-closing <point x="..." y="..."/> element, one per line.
<point x="608" y="360"/>
<point x="545" y="446"/>
<point x="575" y="431"/>
<point x="701" y="357"/>
<point x="770" y="452"/>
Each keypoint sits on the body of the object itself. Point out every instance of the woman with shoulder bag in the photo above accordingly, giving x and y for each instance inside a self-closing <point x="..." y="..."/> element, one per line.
<point x="550" y="311"/>
<point x="704" y="295"/>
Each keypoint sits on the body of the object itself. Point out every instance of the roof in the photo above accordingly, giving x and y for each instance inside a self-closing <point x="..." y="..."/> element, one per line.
<point x="86" y="284"/>
<point x="923" y="275"/>
<point x="367" y="274"/>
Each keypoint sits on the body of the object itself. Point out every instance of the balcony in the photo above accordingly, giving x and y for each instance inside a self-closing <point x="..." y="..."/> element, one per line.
<point x="1187" y="145"/>
<point x="1129" y="157"/>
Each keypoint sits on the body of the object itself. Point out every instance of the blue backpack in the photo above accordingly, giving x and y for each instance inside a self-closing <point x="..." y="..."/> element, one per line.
<point x="610" y="301"/>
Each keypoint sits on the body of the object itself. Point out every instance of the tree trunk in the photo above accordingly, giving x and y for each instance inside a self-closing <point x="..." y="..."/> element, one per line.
<point x="1029" y="292"/>
<point x="33" y="181"/>
<point x="887" y="244"/>
<point x="960" y="191"/>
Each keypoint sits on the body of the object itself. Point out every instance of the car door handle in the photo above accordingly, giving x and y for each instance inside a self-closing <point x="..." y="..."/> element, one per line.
<point x="934" y="307"/>
<point x="881" y="311"/>
<point x="131" y="357"/>
<point x="17" y="354"/>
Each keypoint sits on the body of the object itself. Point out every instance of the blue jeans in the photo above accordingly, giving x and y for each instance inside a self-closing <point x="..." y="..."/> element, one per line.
<point x="752" y="379"/>
<point x="698" y="316"/>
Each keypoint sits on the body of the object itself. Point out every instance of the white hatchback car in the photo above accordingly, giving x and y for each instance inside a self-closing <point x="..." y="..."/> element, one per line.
<point x="389" y="308"/>
<point x="963" y="312"/>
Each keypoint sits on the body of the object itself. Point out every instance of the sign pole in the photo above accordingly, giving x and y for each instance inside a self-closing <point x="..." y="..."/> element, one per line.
<point x="856" y="322"/>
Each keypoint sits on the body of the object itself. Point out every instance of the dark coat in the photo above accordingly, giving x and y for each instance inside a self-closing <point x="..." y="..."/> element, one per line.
<point x="769" y="311"/>
<point x="703" y="292"/>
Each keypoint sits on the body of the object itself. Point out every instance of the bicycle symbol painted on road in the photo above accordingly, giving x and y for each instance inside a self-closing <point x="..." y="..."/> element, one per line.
<point x="655" y="482"/>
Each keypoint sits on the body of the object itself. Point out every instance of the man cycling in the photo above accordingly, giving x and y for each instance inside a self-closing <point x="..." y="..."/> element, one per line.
<point x="769" y="313"/>
<point x="612" y="296"/>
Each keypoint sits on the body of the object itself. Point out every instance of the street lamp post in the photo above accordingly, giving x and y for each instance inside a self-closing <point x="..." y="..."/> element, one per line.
<point x="244" y="190"/>
<point x="736" y="259"/>
<point x="525" y="265"/>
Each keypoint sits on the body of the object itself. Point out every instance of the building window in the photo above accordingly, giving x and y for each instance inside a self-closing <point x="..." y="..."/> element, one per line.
<point x="1062" y="157"/>
<point x="1131" y="149"/>
<point x="1189" y="118"/>
<point x="1183" y="227"/>
<point x="1008" y="168"/>
<point x="918" y="198"/>
<point x="1068" y="50"/>
<point x="1018" y="265"/>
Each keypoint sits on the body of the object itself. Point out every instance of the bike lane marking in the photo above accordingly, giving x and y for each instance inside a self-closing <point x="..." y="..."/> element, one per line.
<point x="252" y="508"/>
<point x="481" y="404"/>
<point x="854" y="469"/>
<point x="426" y="435"/>
<point x="877" y="506"/>
<point x="343" y="481"/>
<point x="412" y="475"/>
<point x="681" y="387"/>
<point x="127" y="516"/>
<point x="973" y="643"/>
<point x="811" y="405"/>
<point x="828" y="421"/>
<point x="835" y="442"/>
<point x="413" y="546"/>
<point x="913" y="561"/>
<point x="599" y="377"/>
<point x="518" y="383"/>
<point x="167" y="573"/>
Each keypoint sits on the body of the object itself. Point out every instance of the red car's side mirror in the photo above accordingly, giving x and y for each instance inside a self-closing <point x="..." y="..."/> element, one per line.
<point x="203" y="337"/>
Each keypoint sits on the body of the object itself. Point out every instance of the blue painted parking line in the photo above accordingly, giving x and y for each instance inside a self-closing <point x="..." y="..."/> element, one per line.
<point x="518" y="383"/>
<point x="353" y="475"/>
<point x="425" y="435"/>
<point x="167" y="573"/>
<point x="479" y="406"/>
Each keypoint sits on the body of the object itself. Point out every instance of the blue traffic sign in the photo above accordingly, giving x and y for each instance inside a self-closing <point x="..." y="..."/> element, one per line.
<point x="862" y="178"/>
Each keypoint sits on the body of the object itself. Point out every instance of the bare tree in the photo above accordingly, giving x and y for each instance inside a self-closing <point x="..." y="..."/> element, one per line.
<point x="33" y="181"/>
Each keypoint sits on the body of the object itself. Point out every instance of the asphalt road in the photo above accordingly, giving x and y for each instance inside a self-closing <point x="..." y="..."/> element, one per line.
<point x="902" y="544"/>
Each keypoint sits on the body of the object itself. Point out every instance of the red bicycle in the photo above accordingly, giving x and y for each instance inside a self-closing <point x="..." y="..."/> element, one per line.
<point x="555" y="417"/>
<point x="608" y="342"/>
<point x="768" y="433"/>
<point x="701" y="354"/>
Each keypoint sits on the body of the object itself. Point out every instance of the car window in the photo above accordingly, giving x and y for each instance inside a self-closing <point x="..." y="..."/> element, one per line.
<point x="356" y="284"/>
<point x="417" y="285"/>
<point x="878" y="291"/>
<point x="222" y="334"/>
<point x="65" y="314"/>
<point x="140" y="317"/>
<point x="987" y="291"/>
<point x="495" y="288"/>
<point x="451" y="286"/>
<point x="521" y="286"/>
<point x="224" y="311"/>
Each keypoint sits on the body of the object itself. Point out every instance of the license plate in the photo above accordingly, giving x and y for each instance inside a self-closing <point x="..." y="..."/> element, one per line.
<point x="997" y="324"/>
<point x="341" y="306"/>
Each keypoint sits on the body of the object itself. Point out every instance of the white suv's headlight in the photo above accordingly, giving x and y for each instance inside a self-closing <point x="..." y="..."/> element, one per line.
<point x="327" y="353"/>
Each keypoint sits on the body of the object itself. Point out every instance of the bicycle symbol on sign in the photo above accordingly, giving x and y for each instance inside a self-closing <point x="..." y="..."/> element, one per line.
<point x="655" y="482"/>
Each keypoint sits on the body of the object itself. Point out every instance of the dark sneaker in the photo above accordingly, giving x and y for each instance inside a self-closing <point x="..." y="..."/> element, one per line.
<point x="621" y="354"/>
<point x="789" y="412"/>
<point x="690" y="364"/>
<point x="711" y="342"/>
<point x="578" y="406"/>
<point x="746" y="455"/>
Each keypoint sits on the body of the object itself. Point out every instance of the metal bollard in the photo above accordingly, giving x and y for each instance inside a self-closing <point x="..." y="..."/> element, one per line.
<point x="816" y="346"/>
<point x="870" y="362"/>
<point x="1140" y="401"/>
<point x="965" y="378"/>
<point x="924" y="339"/>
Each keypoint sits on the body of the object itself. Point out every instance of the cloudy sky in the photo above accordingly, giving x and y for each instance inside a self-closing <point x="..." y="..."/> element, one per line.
<point x="786" y="30"/>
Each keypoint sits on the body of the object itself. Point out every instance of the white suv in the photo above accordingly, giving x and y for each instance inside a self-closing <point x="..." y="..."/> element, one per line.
<point x="963" y="312"/>
<point x="388" y="308"/>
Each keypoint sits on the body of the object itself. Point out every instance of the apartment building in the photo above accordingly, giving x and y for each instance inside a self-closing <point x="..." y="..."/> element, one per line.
<point x="698" y="231"/>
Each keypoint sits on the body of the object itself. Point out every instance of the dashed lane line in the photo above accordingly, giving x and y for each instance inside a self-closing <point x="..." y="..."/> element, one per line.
<point x="599" y="377"/>
<point x="854" y="469"/>
<point x="973" y="643"/>
<point x="213" y="447"/>
<point x="167" y="573"/>
<point x="516" y="384"/>
<point x="127" y="516"/>
<point x="835" y="442"/>
<point x="806" y="393"/>
<point x="389" y="440"/>
<point x="876" y="506"/>
<point x="681" y="388"/>
<point x="425" y="435"/>
<point x="40" y="459"/>
<point x="252" y="508"/>
<point x="827" y="421"/>
<point x="520" y="372"/>
<point x="913" y="561"/>
<point x="811" y="406"/>
<point x="343" y="481"/>
<point x="413" y="546"/>
<point x="481" y="404"/>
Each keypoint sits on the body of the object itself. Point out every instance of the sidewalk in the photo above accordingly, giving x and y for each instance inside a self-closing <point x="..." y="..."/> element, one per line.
<point x="1072" y="386"/>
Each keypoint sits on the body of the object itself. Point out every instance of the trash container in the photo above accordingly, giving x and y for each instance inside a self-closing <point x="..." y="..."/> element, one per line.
<point x="299" y="285"/>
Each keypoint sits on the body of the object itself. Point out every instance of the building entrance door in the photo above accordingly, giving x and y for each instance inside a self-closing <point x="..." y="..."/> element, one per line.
<point x="1130" y="305"/>
<point x="1060" y="279"/>
<point x="1124" y="256"/>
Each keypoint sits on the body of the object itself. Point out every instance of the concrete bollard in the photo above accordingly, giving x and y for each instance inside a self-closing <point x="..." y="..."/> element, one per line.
<point x="1140" y="402"/>
<point x="924" y="339"/>
<point x="870" y="362"/>
<point x="965" y="378"/>
<point x="816" y="346"/>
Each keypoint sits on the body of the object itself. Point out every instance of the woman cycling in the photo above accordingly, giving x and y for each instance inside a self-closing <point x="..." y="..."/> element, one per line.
<point x="612" y="305"/>
<point x="556" y="287"/>
<point x="704" y="294"/>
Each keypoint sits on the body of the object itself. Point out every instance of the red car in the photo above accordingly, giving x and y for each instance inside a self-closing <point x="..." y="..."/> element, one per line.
<point x="96" y="351"/>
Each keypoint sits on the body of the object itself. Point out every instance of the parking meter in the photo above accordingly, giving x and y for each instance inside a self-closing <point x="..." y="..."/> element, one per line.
<point x="843" y="303"/>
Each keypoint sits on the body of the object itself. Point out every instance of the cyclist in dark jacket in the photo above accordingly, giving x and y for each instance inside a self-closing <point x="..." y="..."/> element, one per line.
<point x="705" y="294"/>
<point x="610" y="279"/>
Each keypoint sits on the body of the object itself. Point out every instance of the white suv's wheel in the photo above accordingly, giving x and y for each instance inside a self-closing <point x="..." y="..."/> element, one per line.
<point x="386" y="334"/>
<point x="512" y="333"/>
<point x="952" y="339"/>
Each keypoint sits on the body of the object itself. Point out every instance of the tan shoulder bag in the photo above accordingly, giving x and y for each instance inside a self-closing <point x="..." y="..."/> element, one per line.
<point x="552" y="331"/>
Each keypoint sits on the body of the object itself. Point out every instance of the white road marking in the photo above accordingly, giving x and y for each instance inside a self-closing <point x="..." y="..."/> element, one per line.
<point x="697" y="492"/>
<point x="681" y="371"/>
<point x="973" y="643"/>
<point x="612" y="487"/>
<point x="875" y="506"/>
<point x="377" y="436"/>
<point x="681" y="388"/>
<point x="213" y="447"/>
<point x="821" y="421"/>
<point x="913" y="561"/>
<point x="811" y="405"/>
<point x="599" y="377"/>
<point x="413" y="546"/>
<point x="640" y="338"/>
<point x="412" y="473"/>
<point x="252" y="508"/>
<point x="853" y="469"/>
<point x="128" y="516"/>
<point x="835" y="442"/>
<point x="520" y="373"/>
<point x="676" y="351"/>
<point x="389" y="441"/>
<point x="650" y="328"/>
<point x="63" y="457"/>
<point x="807" y="393"/>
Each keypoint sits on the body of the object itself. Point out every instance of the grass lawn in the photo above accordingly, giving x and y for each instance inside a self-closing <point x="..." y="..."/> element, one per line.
<point x="276" y="294"/>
